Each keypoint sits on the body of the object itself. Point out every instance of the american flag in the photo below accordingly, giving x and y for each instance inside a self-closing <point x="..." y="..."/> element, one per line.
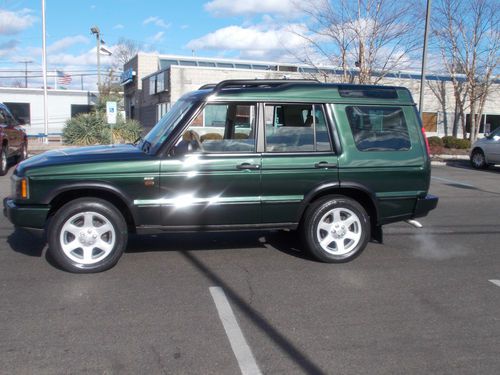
<point x="63" y="78"/>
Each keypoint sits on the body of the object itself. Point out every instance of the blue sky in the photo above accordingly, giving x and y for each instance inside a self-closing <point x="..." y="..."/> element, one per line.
<point x="249" y="29"/>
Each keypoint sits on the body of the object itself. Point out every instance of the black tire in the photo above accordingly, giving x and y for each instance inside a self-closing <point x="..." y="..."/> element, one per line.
<point x="4" y="162"/>
<point x="97" y="251"/>
<point x="345" y="238"/>
<point x="24" y="152"/>
<point x="477" y="159"/>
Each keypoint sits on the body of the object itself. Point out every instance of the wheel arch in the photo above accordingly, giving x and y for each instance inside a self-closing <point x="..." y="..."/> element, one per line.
<point x="363" y="195"/>
<point x="64" y="195"/>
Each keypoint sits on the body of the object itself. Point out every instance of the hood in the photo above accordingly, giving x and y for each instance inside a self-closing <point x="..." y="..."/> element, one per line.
<point x="79" y="155"/>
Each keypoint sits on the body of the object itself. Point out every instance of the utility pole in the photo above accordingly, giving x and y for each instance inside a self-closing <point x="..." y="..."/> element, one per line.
<point x="95" y="30"/>
<point x="26" y="62"/>
<point x="424" y="60"/>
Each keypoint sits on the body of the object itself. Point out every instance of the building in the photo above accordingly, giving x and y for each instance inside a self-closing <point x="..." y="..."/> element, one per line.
<point x="152" y="83"/>
<point x="26" y="104"/>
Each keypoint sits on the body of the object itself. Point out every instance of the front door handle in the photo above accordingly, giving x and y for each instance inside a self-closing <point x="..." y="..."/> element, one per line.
<point x="248" y="166"/>
<point x="324" y="164"/>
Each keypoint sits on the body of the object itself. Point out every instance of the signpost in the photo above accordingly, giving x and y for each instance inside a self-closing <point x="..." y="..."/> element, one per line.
<point x="111" y="116"/>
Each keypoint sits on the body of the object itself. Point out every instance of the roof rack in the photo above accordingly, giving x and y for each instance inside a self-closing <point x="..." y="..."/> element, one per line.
<point x="208" y="86"/>
<point x="238" y="83"/>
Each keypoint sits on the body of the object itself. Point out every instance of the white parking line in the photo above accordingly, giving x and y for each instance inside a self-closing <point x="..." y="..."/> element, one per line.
<point x="452" y="181"/>
<point x="496" y="282"/>
<point x="242" y="352"/>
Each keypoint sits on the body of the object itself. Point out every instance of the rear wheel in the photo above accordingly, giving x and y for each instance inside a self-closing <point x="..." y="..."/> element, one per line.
<point x="336" y="229"/>
<point x="87" y="235"/>
<point x="478" y="160"/>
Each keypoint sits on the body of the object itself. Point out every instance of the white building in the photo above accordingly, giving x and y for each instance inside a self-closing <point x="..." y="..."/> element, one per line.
<point x="152" y="83"/>
<point x="26" y="104"/>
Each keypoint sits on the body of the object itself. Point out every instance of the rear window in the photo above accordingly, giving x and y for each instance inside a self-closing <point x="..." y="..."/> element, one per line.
<point x="378" y="128"/>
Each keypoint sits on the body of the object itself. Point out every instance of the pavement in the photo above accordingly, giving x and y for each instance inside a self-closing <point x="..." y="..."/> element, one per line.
<point x="427" y="301"/>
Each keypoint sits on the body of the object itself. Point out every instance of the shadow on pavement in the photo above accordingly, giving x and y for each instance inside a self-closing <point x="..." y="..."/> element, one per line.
<point x="26" y="242"/>
<point x="285" y="242"/>
<point x="465" y="164"/>
<point x="281" y="341"/>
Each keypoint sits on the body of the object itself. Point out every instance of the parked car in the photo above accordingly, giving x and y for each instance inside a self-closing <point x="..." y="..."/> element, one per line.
<point x="486" y="151"/>
<point x="12" y="138"/>
<point x="334" y="161"/>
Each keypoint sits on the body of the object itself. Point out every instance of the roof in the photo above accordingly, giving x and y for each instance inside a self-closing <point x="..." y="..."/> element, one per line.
<point x="304" y="91"/>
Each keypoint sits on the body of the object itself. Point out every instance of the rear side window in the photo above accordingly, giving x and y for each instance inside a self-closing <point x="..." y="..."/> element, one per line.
<point x="378" y="128"/>
<point x="296" y="128"/>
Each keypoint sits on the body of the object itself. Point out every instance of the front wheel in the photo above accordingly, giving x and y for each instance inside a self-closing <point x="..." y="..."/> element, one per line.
<point x="4" y="162"/>
<point x="336" y="229"/>
<point x="87" y="235"/>
<point x="478" y="160"/>
<point x="24" y="152"/>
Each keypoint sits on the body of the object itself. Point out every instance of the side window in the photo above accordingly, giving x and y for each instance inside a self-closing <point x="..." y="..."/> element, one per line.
<point x="296" y="128"/>
<point x="220" y="128"/>
<point x="378" y="128"/>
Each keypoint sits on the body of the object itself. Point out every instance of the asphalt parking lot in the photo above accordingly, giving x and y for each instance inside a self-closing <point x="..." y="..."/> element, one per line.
<point x="427" y="301"/>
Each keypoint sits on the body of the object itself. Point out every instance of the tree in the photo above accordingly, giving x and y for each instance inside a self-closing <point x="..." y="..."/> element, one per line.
<point x="123" y="51"/>
<point x="468" y="36"/>
<point x="369" y="37"/>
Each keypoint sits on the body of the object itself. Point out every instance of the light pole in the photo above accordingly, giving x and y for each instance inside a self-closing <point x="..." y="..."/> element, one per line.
<point x="424" y="60"/>
<point x="95" y="30"/>
<point x="26" y="62"/>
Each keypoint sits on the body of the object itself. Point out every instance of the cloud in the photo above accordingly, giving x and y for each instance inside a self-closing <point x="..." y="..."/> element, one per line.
<point x="223" y="8"/>
<point x="157" y="21"/>
<point x="16" y="21"/>
<point x="158" y="37"/>
<point x="6" y="48"/>
<point x="65" y="43"/>
<point x="253" y="42"/>
<point x="118" y="26"/>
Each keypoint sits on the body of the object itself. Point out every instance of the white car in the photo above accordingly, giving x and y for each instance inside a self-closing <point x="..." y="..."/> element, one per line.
<point x="486" y="151"/>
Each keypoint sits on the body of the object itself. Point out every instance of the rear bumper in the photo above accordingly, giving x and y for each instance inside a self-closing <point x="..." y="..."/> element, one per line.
<point x="424" y="205"/>
<point x="25" y="216"/>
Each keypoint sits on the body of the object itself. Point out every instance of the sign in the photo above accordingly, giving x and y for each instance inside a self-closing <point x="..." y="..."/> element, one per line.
<point x="127" y="76"/>
<point x="111" y="112"/>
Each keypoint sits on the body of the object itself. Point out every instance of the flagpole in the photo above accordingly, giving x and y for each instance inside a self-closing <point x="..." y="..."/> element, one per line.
<point x="55" y="79"/>
<point x="44" y="68"/>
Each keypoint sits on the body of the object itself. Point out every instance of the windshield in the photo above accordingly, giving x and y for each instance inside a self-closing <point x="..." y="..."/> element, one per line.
<point x="164" y="127"/>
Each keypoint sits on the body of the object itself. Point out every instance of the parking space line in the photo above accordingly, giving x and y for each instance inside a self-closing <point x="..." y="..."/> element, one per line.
<point x="496" y="282"/>
<point x="452" y="181"/>
<point x="242" y="351"/>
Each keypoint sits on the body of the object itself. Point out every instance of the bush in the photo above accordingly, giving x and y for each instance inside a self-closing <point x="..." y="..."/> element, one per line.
<point x="452" y="142"/>
<point x="447" y="140"/>
<point x="435" y="141"/>
<point x="91" y="129"/>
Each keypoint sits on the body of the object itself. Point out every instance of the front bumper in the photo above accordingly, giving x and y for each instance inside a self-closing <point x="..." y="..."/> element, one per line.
<point x="25" y="216"/>
<point x="424" y="205"/>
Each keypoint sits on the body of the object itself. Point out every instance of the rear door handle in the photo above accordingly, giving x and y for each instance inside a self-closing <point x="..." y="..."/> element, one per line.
<point x="324" y="164"/>
<point x="248" y="166"/>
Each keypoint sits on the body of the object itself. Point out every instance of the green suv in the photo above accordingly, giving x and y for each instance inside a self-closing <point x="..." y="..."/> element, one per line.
<point x="333" y="161"/>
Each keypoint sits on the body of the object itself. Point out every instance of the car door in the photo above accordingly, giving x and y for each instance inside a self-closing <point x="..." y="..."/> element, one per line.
<point x="211" y="177"/>
<point x="299" y="156"/>
<point x="492" y="147"/>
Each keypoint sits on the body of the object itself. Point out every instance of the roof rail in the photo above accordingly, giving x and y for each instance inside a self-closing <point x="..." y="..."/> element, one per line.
<point x="240" y="83"/>
<point x="208" y="86"/>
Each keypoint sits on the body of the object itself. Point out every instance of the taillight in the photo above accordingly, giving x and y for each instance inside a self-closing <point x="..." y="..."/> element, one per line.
<point x="426" y="142"/>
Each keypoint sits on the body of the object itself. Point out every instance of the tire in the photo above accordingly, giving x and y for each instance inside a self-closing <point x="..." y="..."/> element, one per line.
<point x="24" y="153"/>
<point x="478" y="160"/>
<point x="336" y="229"/>
<point x="4" y="162"/>
<point x="87" y="235"/>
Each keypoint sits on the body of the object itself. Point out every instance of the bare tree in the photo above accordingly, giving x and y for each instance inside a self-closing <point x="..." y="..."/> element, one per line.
<point x="124" y="50"/>
<point x="468" y="36"/>
<point x="368" y="37"/>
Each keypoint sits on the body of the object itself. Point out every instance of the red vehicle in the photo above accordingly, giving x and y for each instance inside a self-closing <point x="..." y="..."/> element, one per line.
<point x="13" y="139"/>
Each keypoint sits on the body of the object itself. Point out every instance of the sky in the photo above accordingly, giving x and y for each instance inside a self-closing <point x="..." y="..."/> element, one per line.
<point x="247" y="29"/>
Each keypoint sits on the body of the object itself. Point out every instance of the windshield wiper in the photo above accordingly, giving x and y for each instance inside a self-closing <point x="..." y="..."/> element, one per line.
<point x="137" y="141"/>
